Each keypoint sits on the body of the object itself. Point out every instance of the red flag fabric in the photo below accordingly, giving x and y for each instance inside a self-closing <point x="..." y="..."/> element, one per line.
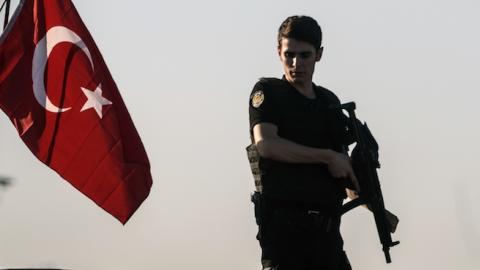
<point x="56" y="89"/>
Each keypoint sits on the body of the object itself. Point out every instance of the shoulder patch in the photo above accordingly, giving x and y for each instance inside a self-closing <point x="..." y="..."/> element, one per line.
<point x="257" y="98"/>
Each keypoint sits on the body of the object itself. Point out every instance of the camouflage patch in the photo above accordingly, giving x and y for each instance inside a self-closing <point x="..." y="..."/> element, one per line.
<point x="254" y="158"/>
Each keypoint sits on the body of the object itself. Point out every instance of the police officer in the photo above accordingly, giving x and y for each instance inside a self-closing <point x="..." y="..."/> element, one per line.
<point x="301" y="166"/>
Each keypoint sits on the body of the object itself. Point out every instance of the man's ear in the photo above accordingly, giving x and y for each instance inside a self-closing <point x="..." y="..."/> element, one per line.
<point x="318" y="56"/>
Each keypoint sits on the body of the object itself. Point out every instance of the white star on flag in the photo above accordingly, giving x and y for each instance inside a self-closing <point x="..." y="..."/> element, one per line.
<point x="95" y="100"/>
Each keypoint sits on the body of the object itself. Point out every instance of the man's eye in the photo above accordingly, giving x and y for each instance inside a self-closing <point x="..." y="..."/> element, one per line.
<point x="305" y="55"/>
<point x="289" y="54"/>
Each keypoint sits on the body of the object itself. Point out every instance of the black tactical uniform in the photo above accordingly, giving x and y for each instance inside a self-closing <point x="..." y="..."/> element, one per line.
<point x="296" y="205"/>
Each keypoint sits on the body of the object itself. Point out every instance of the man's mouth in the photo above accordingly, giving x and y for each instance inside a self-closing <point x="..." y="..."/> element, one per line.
<point x="296" y="73"/>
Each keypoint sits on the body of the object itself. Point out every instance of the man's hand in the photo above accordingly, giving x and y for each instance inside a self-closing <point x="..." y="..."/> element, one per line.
<point x="340" y="166"/>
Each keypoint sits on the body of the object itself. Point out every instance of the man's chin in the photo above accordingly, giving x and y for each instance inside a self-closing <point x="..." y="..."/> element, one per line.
<point x="298" y="79"/>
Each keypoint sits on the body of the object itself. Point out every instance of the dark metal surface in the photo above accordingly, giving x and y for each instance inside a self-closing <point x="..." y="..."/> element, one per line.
<point x="6" y="4"/>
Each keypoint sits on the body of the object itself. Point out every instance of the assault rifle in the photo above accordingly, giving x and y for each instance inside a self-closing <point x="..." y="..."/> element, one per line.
<point x="365" y="164"/>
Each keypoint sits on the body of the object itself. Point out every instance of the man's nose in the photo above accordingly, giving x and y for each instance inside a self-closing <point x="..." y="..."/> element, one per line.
<point x="295" y="61"/>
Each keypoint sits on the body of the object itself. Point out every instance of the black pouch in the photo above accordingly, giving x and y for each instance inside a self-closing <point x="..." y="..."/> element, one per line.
<point x="345" y="264"/>
<point x="262" y="216"/>
<point x="256" y="199"/>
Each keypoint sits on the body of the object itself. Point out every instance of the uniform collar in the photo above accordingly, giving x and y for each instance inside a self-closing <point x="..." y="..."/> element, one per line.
<point x="293" y="88"/>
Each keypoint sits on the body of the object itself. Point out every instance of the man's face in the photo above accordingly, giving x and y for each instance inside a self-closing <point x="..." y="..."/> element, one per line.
<point x="298" y="59"/>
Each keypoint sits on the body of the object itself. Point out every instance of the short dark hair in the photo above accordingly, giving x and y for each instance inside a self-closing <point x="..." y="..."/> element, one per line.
<point x="302" y="28"/>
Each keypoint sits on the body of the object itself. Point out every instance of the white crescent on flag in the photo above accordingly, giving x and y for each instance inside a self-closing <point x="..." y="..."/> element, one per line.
<point x="54" y="36"/>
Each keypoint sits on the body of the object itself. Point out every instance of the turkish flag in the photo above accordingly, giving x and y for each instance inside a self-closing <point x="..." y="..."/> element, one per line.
<point x="56" y="89"/>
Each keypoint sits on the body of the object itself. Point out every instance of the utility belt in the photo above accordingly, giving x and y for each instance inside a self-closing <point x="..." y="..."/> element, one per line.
<point x="325" y="219"/>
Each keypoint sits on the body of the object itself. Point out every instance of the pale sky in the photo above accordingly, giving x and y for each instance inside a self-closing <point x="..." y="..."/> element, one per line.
<point x="185" y="70"/>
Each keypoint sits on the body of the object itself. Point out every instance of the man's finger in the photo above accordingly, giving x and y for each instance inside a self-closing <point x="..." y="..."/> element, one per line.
<point x="354" y="180"/>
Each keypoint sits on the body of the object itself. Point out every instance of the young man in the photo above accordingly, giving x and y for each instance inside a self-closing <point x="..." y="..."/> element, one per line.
<point x="301" y="165"/>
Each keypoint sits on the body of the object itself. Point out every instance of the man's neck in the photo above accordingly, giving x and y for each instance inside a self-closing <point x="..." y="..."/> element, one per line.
<point x="305" y="88"/>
